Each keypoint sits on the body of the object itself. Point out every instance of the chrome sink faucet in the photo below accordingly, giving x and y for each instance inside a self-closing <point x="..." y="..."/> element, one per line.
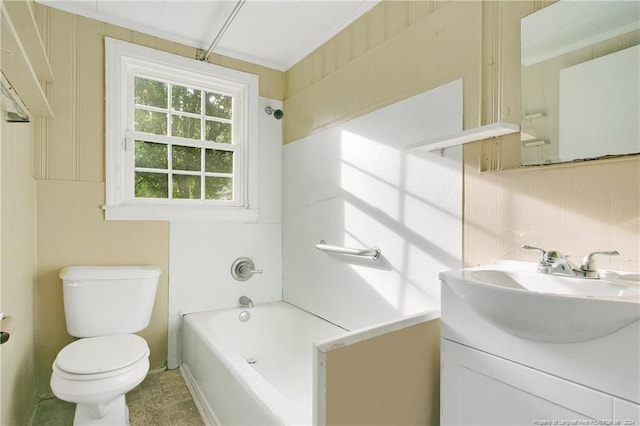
<point x="245" y="302"/>
<point x="555" y="263"/>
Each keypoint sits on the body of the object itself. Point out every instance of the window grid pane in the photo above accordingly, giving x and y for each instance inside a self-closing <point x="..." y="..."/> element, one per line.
<point x="151" y="185"/>
<point x="186" y="158"/>
<point x="186" y="99"/>
<point x="150" y="92"/>
<point x="186" y="187"/>
<point x="218" y="161"/>
<point x="218" y="188"/>
<point x="218" y="131"/>
<point x="150" y="155"/>
<point x="185" y="127"/>
<point x="148" y="121"/>
<point x="218" y="105"/>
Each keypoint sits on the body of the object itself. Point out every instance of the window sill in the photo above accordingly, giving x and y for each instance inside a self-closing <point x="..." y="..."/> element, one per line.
<point x="160" y="212"/>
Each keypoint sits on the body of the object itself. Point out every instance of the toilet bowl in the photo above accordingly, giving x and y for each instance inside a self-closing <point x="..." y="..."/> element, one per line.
<point x="96" y="372"/>
<point x="104" y="306"/>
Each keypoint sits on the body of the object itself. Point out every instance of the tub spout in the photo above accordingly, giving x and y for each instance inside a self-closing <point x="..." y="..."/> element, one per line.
<point x="245" y="301"/>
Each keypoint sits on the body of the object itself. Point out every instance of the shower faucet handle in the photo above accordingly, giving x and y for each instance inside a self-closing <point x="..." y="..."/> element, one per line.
<point x="243" y="268"/>
<point x="248" y="270"/>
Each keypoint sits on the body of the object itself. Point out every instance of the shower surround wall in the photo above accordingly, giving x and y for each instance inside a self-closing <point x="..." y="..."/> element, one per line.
<point x="201" y="254"/>
<point x="355" y="185"/>
<point x="352" y="185"/>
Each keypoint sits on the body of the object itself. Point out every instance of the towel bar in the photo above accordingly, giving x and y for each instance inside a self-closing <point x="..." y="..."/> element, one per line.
<point x="372" y="252"/>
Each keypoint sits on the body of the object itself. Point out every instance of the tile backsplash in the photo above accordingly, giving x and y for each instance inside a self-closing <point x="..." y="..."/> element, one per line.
<point x="574" y="208"/>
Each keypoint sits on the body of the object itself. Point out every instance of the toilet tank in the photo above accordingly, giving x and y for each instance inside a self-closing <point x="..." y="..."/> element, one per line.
<point x="105" y="300"/>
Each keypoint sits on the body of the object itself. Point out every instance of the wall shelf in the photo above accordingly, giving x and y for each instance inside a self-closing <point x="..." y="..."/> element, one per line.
<point x="24" y="60"/>
<point x="492" y="130"/>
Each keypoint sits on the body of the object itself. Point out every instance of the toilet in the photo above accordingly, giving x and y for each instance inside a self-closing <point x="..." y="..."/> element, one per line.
<point x="104" y="306"/>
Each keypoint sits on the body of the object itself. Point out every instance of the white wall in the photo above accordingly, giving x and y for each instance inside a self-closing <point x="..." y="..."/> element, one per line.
<point x="201" y="254"/>
<point x="354" y="185"/>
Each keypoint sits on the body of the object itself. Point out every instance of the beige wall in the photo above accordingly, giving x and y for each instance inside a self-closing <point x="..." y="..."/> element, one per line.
<point x="69" y="165"/>
<point x="391" y="379"/>
<point x="18" y="273"/>
<point x="394" y="51"/>
<point x="401" y="48"/>
<point x="72" y="231"/>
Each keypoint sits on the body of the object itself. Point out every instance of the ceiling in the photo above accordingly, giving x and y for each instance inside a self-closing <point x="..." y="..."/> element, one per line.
<point x="276" y="34"/>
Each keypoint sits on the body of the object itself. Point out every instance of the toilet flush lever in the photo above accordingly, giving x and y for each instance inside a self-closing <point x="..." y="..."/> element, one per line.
<point x="243" y="268"/>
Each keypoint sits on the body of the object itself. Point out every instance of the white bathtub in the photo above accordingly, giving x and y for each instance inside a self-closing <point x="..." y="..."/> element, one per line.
<point x="258" y="372"/>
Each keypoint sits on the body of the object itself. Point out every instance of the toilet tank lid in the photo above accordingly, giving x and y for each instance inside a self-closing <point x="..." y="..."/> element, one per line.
<point x="109" y="272"/>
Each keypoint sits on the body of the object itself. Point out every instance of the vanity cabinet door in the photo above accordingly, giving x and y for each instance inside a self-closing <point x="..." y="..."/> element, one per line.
<point x="481" y="389"/>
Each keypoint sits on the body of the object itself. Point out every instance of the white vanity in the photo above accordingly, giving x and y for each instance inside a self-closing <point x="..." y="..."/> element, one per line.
<point x="524" y="348"/>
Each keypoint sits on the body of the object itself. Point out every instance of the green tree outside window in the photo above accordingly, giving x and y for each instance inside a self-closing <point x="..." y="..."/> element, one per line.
<point x="189" y="115"/>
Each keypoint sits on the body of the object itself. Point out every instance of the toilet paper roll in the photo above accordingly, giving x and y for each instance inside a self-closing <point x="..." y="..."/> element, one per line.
<point x="7" y="325"/>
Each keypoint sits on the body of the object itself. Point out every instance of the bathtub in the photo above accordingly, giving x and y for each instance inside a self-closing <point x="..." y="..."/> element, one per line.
<point x="258" y="372"/>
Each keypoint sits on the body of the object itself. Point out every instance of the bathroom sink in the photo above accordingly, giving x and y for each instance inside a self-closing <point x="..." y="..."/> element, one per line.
<point x="548" y="308"/>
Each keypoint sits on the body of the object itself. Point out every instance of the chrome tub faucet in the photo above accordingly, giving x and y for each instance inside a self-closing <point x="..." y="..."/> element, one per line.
<point x="245" y="302"/>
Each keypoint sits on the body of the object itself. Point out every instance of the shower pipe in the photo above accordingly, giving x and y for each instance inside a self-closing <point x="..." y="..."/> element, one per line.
<point x="204" y="56"/>
<point x="373" y="252"/>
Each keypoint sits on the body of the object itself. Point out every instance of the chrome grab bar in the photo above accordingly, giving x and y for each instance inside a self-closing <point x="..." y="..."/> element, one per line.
<point x="372" y="252"/>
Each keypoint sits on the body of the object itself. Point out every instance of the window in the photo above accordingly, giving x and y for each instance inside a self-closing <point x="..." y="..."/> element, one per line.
<point x="196" y="162"/>
<point x="180" y="137"/>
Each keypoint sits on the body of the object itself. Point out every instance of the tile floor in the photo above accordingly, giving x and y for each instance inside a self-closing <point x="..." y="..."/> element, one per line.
<point x="162" y="399"/>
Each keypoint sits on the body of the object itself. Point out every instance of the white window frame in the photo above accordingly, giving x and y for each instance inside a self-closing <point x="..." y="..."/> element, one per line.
<point x="123" y="60"/>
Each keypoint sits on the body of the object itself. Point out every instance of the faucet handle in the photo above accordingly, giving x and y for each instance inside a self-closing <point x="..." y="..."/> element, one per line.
<point x="248" y="270"/>
<point x="545" y="256"/>
<point x="549" y="259"/>
<point x="589" y="262"/>
<point x="543" y="252"/>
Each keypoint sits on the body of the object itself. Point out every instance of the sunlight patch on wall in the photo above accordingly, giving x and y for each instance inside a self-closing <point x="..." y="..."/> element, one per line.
<point x="355" y="185"/>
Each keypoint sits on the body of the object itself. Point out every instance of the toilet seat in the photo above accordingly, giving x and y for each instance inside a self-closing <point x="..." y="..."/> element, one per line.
<point x="98" y="357"/>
